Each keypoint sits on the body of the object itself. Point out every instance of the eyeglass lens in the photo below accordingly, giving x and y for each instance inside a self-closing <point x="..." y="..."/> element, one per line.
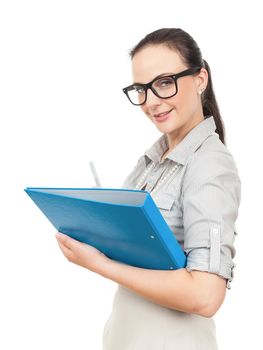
<point x="164" y="87"/>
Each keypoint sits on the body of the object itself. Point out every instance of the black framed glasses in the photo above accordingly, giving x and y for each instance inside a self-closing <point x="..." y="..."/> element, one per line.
<point x="163" y="87"/>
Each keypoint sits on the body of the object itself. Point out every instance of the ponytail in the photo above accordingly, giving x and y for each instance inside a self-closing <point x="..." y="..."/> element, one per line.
<point x="210" y="106"/>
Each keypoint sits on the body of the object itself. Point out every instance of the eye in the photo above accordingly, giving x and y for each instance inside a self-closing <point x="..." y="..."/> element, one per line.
<point x="139" y="89"/>
<point x="164" y="83"/>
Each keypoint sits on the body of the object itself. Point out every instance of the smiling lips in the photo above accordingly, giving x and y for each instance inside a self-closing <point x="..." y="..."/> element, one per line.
<point x="162" y="116"/>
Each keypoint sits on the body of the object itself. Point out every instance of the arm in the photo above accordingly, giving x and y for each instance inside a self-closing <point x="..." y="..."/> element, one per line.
<point x="192" y="292"/>
<point x="196" y="292"/>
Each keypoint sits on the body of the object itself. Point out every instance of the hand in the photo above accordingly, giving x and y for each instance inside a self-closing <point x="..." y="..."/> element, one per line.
<point x="80" y="253"/>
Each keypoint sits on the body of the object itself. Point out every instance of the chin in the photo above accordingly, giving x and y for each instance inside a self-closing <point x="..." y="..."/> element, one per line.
<point x="167" y="128"/>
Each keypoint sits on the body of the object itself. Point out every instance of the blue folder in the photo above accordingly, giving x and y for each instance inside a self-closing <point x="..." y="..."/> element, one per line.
<point x="125" y="225"/>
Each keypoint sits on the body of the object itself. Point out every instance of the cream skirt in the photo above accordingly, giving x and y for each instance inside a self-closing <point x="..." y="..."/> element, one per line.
<point x="138" y="324"/>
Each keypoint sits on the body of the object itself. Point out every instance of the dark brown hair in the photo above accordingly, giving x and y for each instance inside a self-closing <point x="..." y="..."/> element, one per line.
<point x="185" y="45"/>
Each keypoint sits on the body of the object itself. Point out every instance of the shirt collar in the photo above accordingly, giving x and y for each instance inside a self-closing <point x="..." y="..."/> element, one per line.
<point x="186" y="147"/>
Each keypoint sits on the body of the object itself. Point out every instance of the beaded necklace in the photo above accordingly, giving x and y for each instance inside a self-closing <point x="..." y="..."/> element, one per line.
<point x="161" y="180"/>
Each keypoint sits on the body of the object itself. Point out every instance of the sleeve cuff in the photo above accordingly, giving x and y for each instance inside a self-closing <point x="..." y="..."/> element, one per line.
<point x="199" y="259"/>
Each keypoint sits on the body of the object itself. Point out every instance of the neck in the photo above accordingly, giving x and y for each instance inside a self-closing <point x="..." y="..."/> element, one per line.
<point x="175" y="137"/>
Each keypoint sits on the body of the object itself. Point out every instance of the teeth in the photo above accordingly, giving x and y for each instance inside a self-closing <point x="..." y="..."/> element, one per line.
<point x="161" y="115"/>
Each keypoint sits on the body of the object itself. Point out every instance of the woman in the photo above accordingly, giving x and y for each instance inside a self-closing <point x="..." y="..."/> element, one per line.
<point x="193" y="179"/>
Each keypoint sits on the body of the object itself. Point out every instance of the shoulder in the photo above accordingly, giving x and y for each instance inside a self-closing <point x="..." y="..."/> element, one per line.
<point x="210" y="160"/>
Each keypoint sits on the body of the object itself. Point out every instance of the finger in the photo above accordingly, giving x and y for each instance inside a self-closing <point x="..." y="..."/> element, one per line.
<point x="65" y="240"/>
<point x="65" y="250"/>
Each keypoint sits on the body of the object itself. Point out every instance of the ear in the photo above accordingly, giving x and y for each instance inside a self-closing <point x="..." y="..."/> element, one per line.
<point x="201" y="80"/>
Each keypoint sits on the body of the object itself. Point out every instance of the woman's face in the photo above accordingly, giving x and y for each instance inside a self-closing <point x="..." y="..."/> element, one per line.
<point x="178" y="114"/>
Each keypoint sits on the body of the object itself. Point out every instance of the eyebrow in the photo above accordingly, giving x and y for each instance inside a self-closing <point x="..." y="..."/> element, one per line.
<point x="158" y="76"/>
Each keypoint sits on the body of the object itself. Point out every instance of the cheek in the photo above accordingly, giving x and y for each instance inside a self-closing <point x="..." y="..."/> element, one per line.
<point x="187" y="97"/>
<point x="144" y="109"/>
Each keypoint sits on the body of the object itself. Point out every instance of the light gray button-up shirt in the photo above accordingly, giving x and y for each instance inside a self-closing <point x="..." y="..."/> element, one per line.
<point x="200" y="200"/>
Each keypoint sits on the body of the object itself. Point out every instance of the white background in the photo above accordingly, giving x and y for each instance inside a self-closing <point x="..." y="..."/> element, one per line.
<point x="63" y="65"/>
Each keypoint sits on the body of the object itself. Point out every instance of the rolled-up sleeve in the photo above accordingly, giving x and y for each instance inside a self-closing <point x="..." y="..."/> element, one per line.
<point x="210" y="200"/>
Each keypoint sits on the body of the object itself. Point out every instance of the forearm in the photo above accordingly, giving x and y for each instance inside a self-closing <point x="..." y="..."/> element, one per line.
<point x="175" y="289"/>
<point x="193" y="292"/>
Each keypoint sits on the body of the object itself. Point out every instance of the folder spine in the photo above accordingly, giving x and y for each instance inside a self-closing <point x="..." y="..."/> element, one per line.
<point x="177" y="256"/>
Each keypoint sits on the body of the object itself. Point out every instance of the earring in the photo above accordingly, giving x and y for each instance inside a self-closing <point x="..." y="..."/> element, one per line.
<point x="200" y="91"/>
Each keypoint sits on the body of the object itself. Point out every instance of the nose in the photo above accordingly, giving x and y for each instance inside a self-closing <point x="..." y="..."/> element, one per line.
<point x="152" y="99"/>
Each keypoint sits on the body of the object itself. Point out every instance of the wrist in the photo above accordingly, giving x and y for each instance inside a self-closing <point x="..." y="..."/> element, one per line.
<point x="103" y="265"/>
<point x="111" y="269"/>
